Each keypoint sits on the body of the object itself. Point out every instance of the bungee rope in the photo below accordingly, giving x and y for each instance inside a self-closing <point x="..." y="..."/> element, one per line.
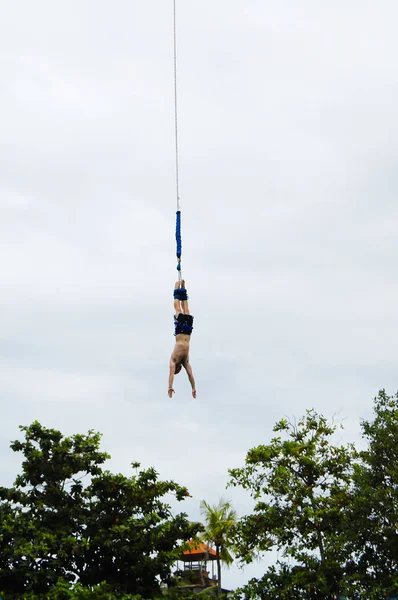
<point x="179" y="244"/>
<point x="178" y="219"/>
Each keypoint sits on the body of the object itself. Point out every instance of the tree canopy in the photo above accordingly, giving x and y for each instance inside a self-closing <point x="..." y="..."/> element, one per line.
<point x="300" y="484"/>
<point x="72" y="530"/>
<point x="374" y="511"/>
<point x="329" y="511"/>
<point x="66" y="520"/>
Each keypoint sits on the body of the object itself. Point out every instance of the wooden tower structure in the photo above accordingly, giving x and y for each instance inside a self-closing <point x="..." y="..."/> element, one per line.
<point x="198" y="559"/>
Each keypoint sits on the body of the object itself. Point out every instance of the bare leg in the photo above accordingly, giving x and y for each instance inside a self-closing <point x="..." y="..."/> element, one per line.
<point x="177" y="303"/>
<point x="184" y="303"/>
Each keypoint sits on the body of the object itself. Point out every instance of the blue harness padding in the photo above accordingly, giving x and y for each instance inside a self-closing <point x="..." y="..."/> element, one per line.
<point x="180" y="294"/>
<point x="178" y="234"/>
<point x="183" y="324"/>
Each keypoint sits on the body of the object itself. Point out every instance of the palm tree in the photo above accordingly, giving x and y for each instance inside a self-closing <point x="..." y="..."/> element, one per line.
<point x="220" y="520"/>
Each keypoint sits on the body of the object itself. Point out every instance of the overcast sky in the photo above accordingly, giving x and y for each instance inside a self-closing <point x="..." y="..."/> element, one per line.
<point x="288" y="183"/>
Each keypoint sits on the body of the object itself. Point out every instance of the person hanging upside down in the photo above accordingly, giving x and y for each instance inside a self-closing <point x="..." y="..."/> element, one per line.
<point x="183" y="323"/>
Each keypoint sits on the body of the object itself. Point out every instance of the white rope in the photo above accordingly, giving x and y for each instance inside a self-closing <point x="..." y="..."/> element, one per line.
<point x="175" y="104"/>
<point x="179" y="270"/>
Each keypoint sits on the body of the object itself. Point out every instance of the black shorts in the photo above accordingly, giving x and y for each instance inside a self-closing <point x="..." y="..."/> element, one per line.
<point x="183" y="324"/>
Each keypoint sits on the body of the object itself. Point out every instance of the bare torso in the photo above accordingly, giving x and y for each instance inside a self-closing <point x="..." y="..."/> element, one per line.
<point x="180" y="354"/>
<point x="183" y="322"/>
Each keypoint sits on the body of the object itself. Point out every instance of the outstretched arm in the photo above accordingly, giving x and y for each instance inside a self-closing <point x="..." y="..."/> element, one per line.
<point x="171" y="377"/>
<point x="191" y="378"/>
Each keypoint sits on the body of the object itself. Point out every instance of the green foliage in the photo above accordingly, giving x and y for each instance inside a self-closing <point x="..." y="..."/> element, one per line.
<point x="187" y="594"/>
<point x="220" y="521"/>
<point x="67" y="520"/>
<point x="128" y="517"/>
<point x="62" y="590"/>
<point x="301" y="483"/>
<point x="70" y="530"/>
<point x="43" y="514"/>
<point x="375" y="501"/>
<point x="329" y="511"/>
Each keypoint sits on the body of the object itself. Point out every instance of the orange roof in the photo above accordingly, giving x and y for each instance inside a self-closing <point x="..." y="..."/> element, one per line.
<point x="198" y="551"/>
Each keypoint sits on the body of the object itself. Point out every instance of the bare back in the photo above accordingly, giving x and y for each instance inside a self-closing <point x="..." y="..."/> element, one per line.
<point x="180" y="354"/>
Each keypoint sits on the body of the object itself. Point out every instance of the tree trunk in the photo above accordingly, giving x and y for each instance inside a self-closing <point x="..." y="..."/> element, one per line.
<point x="218" y="571"/>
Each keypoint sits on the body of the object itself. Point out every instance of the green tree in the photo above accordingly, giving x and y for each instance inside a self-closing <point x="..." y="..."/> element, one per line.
<point x="301" y="484"/>
<point x="132" y="539"/>
<point x="65" y="519"/>
<point x="45" y="509"/>
<point x="220" y="520"/>
<point x="375" y="501"/>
